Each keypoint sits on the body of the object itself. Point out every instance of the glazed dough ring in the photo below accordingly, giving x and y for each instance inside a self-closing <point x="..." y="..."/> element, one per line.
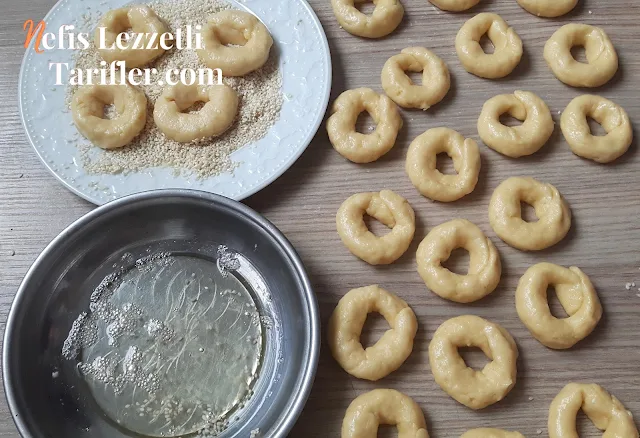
<point x="603" y="409"/>
<point x="612" y="117"/>
<point x="345" y="327"/>
<point x="474" y="389"/>
<point x="454" y="5"/>
<point x="142" y="20"/>
<point x="399" y="87"/>
<point x="577" y="296"/>
<point x="87" y="108"/>
<point x="385" y="18"/>
<point x="341" y="126"/>
<point x="421" y="164"/>
<point x="485" y="432"/>
<point x="389" y="208"/>
<point x="251" y="39"/>
<point x="507" y="43"/>
<point x="602" y="59"/>
<point x="521" y="140"/>
<point x="505" y="215"/>
<point x="384" y="406"/>
<point x="484" y="264"/>
<point x="214" y="118"/>
<point x="548" y="8"/>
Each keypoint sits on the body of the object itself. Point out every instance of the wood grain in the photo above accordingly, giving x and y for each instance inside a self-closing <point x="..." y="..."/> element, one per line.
<point x="605" y="200"/>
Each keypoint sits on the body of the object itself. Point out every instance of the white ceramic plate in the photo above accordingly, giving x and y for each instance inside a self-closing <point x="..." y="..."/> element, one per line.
<point x="305" y="64"/>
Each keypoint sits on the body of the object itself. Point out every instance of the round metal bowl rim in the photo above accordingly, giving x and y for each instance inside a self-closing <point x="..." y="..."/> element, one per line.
<point x="308" y="374"/>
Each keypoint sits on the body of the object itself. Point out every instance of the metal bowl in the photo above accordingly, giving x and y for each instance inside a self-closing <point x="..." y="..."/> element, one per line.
<point x="48" y="395"/>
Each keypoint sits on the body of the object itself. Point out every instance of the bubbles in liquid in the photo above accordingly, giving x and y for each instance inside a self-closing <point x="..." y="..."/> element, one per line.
<point x="171" y="346"/>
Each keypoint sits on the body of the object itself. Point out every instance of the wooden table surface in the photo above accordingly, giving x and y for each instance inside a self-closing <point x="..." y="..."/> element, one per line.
<point x="604" y="239"/>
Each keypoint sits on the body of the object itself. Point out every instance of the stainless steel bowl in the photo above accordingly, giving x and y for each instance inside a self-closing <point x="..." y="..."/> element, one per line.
<point x="47" y="396"/>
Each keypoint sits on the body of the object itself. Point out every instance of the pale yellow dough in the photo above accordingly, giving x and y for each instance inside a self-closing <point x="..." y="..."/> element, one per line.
<point x="87" y="108"/>
<point x="236" y="42"/>
<point x="577" y="296"/>
<point x="389" y="208"/>
<point x="517" y="141"/>
<point x="612" y="117"/>
<point x="214" y="118"/>
<point x="421" y="164"/>
<point x="454" y="5"/>
<point x="384" y="407"/>
<point x="484" y="262"/>
<point x="399" y="87"/>
<point x="507" y="43"/>
<point x="602" y="58"/>
<point x="505" y="214"/>
<point x="485" y="432"/>
<point x="385" y="18"/>
<point x="341" y="126"/>
<point x="345" y="327"/>
<point x="603" y="409"/>
<point x="548" y="8"/>
<point x="474" y="389"/>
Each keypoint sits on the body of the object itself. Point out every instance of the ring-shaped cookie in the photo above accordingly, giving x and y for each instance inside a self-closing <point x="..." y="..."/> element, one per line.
<point x="484" y="262"/>
<point x="368" y="411"/>
<point x="487" y="432"/>
<point x="140" y="19"/>
<point x="612" y="117"/>
<point x="385" y="17"/>
<point x="602" y="59"/>
<point x="548" y="8"/>
<point x="87" y="108"/>
<point x="507" y="44"/>
<point x="517" y="141"/>
<point x="390" y="209"/>
<point x="577" y="296"/>
<point x="341" y="126"/>
<point x="421" y="164"/>
<point x="454" y="5"/>
<point x="391" y="350"/>
<point x="214" y="118"/>
<point x="236" y="42"/>
<point x="474" y="389"/>
<point x="505" y="214"/>
<point x="605" y="411"/>
<point x="399" y="87"/>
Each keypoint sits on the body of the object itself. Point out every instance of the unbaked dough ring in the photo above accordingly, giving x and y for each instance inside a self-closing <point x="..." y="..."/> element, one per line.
<point x="484" y="262"/>
<point x="505" y="214"/>
<point x="87" y="108"/>
<point x="341" y="126"/>
<point x="389" y="208"/>
<point x="384" y="406"/>
<point x="548" y="8"/>
<point x="250" y="38"/>
<point x="385" y="18"/>
<point x="612" y="117"/>
<point x="577" y="296"/>
<point x="602" y="58"/>
<point x="507" y="43"/>
<point x="421" y="164"/>
<point x="214" y="118"/>
<point x="516" y="141"/>
<point x="140" y="19"/>
<point x="399" y="87"/>
<point x="345" y="327"/>
<point x="605" y="411"/>
<point x="485" y="432"/>
<point x="474" y="389"/>
<point x="454" y="5"/>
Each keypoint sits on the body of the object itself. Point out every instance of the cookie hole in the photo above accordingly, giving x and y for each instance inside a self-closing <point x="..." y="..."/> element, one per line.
<point x="365" y="123"/>
<point x="415" y="77"/>
<point x="109" y="112"/>
<point x="528" y="212"/>
<point x="444" y="164"/>
<point x="375" y="226"/>
<point x="386" y="431"/>
<point x="458" y="262"/>
<point x="596" y="128"/>
<point x="474" y="357"/>
<point x="555" y="307"/>
<point x="230" y="37"/>
<point x="508" y="120"/>
<point x="365" y="6"/>
<point x="579" y="54"/>
<point x="196" y="107"/>
<point x="487" y="45"/>
<point x="374" y="327"/>
<point x="585" y="427"/>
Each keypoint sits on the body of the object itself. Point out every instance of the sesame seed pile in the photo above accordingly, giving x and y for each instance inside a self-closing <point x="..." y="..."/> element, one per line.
<point x="260" y="101"/>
